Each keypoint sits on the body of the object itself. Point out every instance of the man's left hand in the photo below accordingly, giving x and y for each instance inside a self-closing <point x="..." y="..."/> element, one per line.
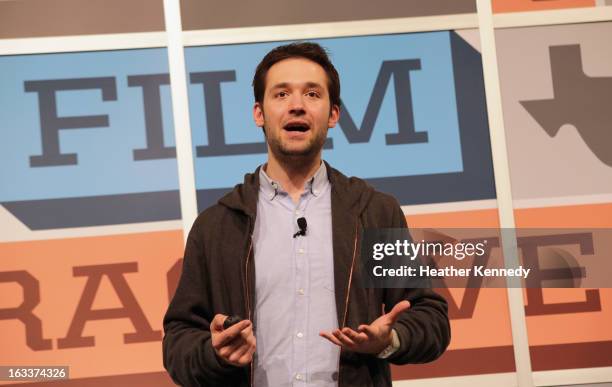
<point x="371" y="338"/>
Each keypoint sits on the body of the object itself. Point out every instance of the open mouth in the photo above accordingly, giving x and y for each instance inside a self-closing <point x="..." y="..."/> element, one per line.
<point x="297" y="127"/>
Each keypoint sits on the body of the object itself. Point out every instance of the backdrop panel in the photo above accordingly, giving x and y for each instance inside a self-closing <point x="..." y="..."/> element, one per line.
<point x="537" y="5"/>
<point x="94" y="304"/>
<point x="33" y="18"/>
<point x="412" y="104"/>
<point x="87" y="139"/>
<point x="480" y="320"/>
<point x="207" y="14"/>
<point x="555" y="84"/>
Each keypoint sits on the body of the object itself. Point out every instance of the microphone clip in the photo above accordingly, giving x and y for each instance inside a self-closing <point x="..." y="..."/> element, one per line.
<point x="303" y="226"/>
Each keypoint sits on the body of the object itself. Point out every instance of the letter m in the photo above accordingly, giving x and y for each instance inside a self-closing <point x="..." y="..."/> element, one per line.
<point x="406" y="133"/>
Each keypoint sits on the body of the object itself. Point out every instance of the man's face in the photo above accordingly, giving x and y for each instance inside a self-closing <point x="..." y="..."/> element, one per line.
<point x="296" y="111"/>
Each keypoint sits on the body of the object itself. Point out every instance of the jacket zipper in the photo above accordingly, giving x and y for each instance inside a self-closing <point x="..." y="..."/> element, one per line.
<point x="348" y="288"/>
<point x="348" y="291"/>
<point x="248" y="292"/>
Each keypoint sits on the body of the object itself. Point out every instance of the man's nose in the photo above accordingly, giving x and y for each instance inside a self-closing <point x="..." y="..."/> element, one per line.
<point x="296" y="104"/>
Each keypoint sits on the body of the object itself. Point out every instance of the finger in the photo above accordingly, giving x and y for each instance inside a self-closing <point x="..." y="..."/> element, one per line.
<point x="230" y="333"/>
<point x="248" y="336"/>
<point x="343" y="338"/>
<point x="246" y="342"/>
<point x="217" y="323"/>
<point x="226" y="350"/>
<point x="356" y="337"/>
<point x="331" y="338"/>
<point x="245" y="337"/>
<point x="246" y="333"/>
<point x="368" y="330"/>
<point x="398" y="309"/>
<point x="235" y="355"/>
<point x="244" y="354"/>
<point x="247" y="357"/>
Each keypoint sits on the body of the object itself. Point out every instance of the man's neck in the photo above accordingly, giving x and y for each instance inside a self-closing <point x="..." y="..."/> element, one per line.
<point x="292" y="176"/>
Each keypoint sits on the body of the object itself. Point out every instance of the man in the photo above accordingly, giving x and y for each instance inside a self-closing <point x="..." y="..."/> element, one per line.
<point x="308" y="320"/>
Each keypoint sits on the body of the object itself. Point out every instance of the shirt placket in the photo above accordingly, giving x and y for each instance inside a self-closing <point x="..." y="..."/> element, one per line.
<point x="301" y="301"/>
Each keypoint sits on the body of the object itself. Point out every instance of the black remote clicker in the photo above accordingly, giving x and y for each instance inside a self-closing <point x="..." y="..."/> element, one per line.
<point x="231" y="320"/>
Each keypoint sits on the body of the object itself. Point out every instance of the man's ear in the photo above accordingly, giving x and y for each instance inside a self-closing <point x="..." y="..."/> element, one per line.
<point x="258" y="115"/>
<point x="334" y="116"/>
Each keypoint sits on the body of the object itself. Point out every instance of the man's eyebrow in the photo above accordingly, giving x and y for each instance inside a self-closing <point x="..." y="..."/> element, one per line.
<point x="282" y="85"/>
<point x="312" y="85"/>
<point x="309" y="85"/>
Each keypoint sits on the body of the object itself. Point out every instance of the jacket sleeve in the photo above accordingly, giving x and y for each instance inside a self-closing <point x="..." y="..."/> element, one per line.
<point x="424" y="329"/>
<point x="188" y="354"/>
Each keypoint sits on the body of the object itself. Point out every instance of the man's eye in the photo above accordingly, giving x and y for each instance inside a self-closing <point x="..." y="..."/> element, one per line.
<point x="312" y="94"/>
<point x="282" y="94"/>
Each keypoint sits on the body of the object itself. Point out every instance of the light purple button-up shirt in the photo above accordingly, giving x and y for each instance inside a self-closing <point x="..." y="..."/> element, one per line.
<point x="294" y="286"/>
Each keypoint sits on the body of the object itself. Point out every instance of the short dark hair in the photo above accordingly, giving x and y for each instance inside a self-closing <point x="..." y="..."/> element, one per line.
<point x="307" y="50"/>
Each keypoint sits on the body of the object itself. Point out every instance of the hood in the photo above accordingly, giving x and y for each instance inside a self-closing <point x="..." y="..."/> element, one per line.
<point x="353" y="194"/>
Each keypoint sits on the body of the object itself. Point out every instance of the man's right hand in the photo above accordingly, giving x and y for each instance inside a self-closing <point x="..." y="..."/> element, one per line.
<point x="234" y="345"/>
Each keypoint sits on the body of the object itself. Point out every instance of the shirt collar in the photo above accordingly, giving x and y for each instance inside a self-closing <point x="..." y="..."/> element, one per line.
<point x="267" y="186"/>
<point x="319" y="181"/>
<point x="315" y="185"/>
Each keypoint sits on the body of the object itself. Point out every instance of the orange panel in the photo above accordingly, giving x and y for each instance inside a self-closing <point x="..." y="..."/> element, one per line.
<point x="459" y="219"/>
<point x="141" y="263"/>
<point x="570" y="339"/>
<point x="480" y="331"/>
<point x="576" y="216"/>
<point x="533" y="5"/>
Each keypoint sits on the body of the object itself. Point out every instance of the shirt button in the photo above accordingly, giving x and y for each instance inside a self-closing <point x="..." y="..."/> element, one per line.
<point x="301" y="251"/>
<point x="297" y="212"/>
<point x="301" y="292"/>
<point x="300" y="335"/>
<point x="299" y="377"/>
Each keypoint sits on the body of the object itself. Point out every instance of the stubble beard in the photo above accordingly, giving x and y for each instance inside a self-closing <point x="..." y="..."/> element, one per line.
<point x="284" y="153"/>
